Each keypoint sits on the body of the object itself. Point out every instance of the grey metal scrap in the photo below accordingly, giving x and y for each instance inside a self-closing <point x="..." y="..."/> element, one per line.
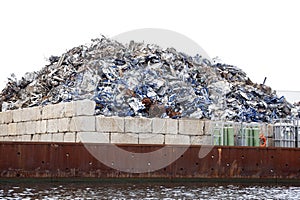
<point x="138" y="79"/>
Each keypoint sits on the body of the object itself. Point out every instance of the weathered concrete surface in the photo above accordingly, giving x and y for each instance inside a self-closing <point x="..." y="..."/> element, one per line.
<point x="93" y="137"/>
<point x="165" y="126"/>
<point x="83" y="123"/>
<point x="191" y="127"/>
<point x="124" y="138"/>
<point x="110" y="124"/>
<point x="177" y="139"/>
<point x="138" y="125"/>
<point x="146" y="138"/>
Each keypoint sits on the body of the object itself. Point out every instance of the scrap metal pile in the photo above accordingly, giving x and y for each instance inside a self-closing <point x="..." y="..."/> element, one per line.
<point x="139" y="79"/>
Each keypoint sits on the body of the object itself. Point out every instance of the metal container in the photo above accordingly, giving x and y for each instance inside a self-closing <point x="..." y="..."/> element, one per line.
<point x="223" y="134"/>
<point x="230" y="136"/>
<point x="284" y="134"/>
<point x="255" y="132"/>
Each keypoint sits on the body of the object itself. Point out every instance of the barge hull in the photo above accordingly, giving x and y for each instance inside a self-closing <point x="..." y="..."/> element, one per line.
<point x="72" y="160"/>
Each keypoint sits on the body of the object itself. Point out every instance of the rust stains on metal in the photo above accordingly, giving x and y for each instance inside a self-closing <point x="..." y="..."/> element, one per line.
<point x="73" y="160"/>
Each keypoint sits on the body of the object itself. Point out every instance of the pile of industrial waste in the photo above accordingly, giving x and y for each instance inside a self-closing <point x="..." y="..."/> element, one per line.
<point x="138" y="79"/>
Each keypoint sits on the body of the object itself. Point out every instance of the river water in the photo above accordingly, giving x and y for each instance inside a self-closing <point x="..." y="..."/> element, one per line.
<point x="143" y="190"/>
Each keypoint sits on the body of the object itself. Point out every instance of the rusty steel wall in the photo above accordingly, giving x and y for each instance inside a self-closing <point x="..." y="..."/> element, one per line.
<point x="55" y="160"/>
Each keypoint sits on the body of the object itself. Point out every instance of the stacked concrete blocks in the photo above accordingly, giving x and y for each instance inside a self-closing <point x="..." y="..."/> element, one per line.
<point x="52" y="123"/>
<point x="76" y="122"/>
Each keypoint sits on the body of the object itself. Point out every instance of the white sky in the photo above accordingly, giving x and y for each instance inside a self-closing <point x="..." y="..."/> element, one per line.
<point x="260" y="36"/>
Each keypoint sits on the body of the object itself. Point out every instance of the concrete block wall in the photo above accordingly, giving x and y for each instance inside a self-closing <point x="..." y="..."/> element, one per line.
<point x="76" y="122"/>
<point x="52" y="123"/>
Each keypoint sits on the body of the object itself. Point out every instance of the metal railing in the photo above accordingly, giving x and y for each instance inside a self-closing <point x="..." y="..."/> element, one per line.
<point x="286" y="133"/>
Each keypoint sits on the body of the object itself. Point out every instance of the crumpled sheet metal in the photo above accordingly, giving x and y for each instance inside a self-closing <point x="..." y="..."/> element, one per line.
<point x="139" y="79"/>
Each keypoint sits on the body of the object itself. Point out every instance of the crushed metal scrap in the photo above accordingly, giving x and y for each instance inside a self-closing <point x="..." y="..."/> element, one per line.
<point x="140" y="79"/>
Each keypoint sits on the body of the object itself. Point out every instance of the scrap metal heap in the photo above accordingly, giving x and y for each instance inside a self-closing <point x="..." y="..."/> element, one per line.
<point x="140" y="79"/>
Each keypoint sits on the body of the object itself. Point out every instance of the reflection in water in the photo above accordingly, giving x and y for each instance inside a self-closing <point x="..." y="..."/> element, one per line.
<point x="163" y="190"/>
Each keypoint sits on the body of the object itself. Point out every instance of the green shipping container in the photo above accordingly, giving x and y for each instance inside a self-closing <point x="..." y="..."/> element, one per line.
<point x="256" y="131"/>
<point x="230" y="136"/>
<point x="225" y="136"/>
<point x="249" y="136"/>
<point x="217" y="137"/>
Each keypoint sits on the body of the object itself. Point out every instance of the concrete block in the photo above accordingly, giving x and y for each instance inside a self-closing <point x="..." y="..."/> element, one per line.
<point x="201" y="140"/>
<point x="208" y="127"/>
<point x="69" y="109"/>
<point x="15" y="138"/>
<point x="21" y="128"/>
<point x="148" y="138"/>
<point x="19" y="138"/>
<point x="47" y="137"/>
<point x="191" y="127"/>
<point x="3" y="138"/>
<point x="110" y="124"/>
<point x="84" y="107"/>
<point x="165" y="126"/>
<point x="70" y="137"/>
<point x="57" y="137"/>
<point x="53" y="111"/>
<point x="93" y="137"/>
<point x="83" y="123"/>
<point x="64" y="125"/>
<point x="138" y="125"/>
<point x="59" y="110"/>
<point x="36" y="138"/>
<point x="12" y="129"/>
<point x="3" y="129"/>
<point x="41" y="126"/>
<point x="52" y="126"/>
<point x="177" y="139"/>
<point x="6" y="138"/>
<point x="6" y="117"/>
<point x="11" y="139"/>
<point x="124" y="138"/>
<point x="26" y="138"/>
<point x="79" y="108"/>
<point x="17" y="115"/>
<point x="1" y="117"/>
<point x="31" y="114"/>
<point x="30" y="127"/>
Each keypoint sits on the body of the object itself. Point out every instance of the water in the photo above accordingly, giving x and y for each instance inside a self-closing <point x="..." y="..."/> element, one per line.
<point x="143" y="190"/>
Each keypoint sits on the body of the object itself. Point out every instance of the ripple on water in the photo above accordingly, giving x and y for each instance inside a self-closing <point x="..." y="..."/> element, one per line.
<point x="151" y="191"/>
